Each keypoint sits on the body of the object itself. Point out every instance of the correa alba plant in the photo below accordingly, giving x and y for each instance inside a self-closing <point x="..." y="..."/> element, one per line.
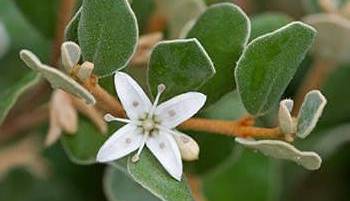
<point x="216" y="52"/>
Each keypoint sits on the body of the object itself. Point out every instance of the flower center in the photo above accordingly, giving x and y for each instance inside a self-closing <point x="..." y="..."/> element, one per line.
<point x="148" y="125"/>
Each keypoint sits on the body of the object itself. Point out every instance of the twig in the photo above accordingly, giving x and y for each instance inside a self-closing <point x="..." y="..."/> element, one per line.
<point x="196" y="187"/>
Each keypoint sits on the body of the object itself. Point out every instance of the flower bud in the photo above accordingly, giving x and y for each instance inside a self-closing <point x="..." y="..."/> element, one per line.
<point x="189" y="148"/>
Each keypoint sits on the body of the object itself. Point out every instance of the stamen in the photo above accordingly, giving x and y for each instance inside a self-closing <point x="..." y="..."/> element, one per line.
<point x="160" y="90"/>
<point x="109" y="118"/>
<point x="136" y="157"/>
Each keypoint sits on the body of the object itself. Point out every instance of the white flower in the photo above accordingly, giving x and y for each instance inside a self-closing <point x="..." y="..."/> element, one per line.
<point x="149" y="124"/>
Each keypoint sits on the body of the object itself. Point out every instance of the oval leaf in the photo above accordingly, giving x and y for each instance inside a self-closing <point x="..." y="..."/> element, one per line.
<point x="118" y="185"/>
<point x="269" y="63"/>
<point x="150" y="174"/>
<point x="182" y="65"/>
<point x="82" y="147"/>
<point x="223" y="30"/>
<point x="310" y="112"/>
<point x="107" y="34"/>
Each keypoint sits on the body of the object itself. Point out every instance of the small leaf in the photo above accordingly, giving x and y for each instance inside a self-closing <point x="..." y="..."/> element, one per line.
<point x="269" y="63"/>
<point x="10" y="95"/>
<point x="118" y="185"/>
<point x="107" y="34"/>
<point x="282" y="150"/>
<point x="310" y="112"/>
<point x="82" y="147"/>
<point x="223" y="30"/>
<point x="150" y="174"/>
<point x="332" y="41"/>
<point x="268" y="22"/>
<point x="56" y="78"/>
<point x="182" y="65"/>
<point x="285" y="119"/>
<point x="70" y="53"/>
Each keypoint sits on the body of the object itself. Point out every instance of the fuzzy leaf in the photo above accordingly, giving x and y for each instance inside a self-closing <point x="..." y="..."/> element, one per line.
<point x="57" y="79"/>
<point x="285" y="119"/>
<point x="282" y="150"/>
<point x="150" y="174"/>
<point x="223" y="30"/>
<point x="118" y="185"/>
<point x="82" y="147"/>
<point x="332" y="41"/>
<point x="269" y="63"/>
<point x="182" y="65"/>
<point x="10" y="95"/>
<point x="310" y="112"/>
<point x="107" y="34"/>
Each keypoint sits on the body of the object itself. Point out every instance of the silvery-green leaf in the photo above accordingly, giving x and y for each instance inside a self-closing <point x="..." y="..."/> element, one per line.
<point x="4" y="40"/>
<point x="10" y="95"/>
<point x="268" y="22"/>
<point x="108" y="34"/>
<point x="332" y="41"/>
<point x="56" y="78"/>
<point x="119" y="186"/>
<point x="268" y="64"/>
<point x="179" y="13"/>
<point x="150" y="174"/>
<point x="285" y="119"/>
<point x="282" y="150"/>
<point x="82" y="147"/>
<point x="224" y="41"/>
<point x="310" y="112"/>
<point x="70" y="53"/>
<point x="182" y="65"/>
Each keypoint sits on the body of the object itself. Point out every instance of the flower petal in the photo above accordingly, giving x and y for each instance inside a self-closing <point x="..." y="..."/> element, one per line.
<point x="180" y="108"/>
<point x="122" y="142"/>
<point x="131" y="95"/>
<point x="164" y="148"/>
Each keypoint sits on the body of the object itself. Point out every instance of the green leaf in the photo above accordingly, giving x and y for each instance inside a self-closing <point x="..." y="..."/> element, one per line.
<point x="269" y="63"/>
<point x="150" y="174"/>
<point x="71" y="30"/>
<point x="82" y="147"/>
<point x="42" y="14"/>
<point x="268" y="22"/>
<point x="182" y="65"/>
<point x="223" y="30"/>
<point x="107" y="34"/>
<point x="310" y="112"/>
<point x="10" y="95"/>
<point x="332" y="41"/>
<point x="246" y="176"/>
<point x="118" y="185"/>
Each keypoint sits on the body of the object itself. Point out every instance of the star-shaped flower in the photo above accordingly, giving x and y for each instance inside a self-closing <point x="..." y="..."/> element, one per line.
<point x="150" y="125"/>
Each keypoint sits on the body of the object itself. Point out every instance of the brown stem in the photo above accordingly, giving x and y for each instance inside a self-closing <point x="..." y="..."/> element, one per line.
<point x="318" y="73"/>
<point x="196" y="187"/>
